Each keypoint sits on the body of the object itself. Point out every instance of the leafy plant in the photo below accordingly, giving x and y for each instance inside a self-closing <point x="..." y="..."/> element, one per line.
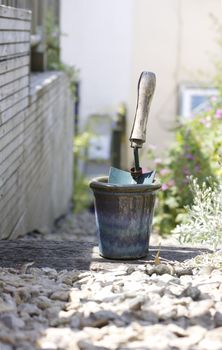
<point x="81" y="198"/>
<point x="203" y="222"/>
<point x="52" y="36"/>
<point x="197" y="152"/>
<point x="52" y="41"/>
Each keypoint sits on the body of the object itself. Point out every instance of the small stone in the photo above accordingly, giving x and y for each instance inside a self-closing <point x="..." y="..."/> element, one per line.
<point x="96" y="267"/>
<point x="84" y="345"/>
<point x="23" y="294"/>
<point x="5" y="307"/>
<point x="75" y="322"/>
<point x="136" y="303"/>
<point x="181" y="271"/>
<point x="206" y="270"/>
<point x="212" y="339"/>
<point x="199" y="308"/>
<point x="192" y="291"/>
<point x="188" y="339"/>
<point x="43" y="302"/>
<point x="30" y="309"/>
<point x="60" y="295"/>
<point x="11" y="321"/>
<point x="93" y="321"/>
<point x="58" y="338"/>
<point x="7" y="338"/>
<point x="160" y="269"/>
<point x="218" y="319"/>
<point x="148" y="316"/>
<point x="6" y="346"/>
<point x="130" y="270"/>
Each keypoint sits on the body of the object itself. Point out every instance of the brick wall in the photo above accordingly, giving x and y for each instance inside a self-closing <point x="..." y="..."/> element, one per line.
<point x="35" y="134"/>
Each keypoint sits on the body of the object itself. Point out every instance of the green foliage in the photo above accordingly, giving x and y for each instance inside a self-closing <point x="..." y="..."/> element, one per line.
<point x="197" y="152"/>
<point x="52" y="41"/>
<point x="203" y="222"/>
<point x="81" y="197"/>
<point x="52" y="38"/>
<point x="52" y="35"/>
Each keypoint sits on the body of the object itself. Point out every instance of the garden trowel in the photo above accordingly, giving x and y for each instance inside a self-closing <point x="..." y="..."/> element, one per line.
<point x="146" y="87"/>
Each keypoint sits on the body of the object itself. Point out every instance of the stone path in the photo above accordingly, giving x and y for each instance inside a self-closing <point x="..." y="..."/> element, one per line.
<point x="90" y="304"/>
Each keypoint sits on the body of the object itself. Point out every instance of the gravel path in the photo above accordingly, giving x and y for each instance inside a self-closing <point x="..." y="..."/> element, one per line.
<point x="165" y="306"/>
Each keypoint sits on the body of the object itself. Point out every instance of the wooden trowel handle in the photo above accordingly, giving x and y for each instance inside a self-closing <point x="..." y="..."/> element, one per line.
<point x="146" y="87"/>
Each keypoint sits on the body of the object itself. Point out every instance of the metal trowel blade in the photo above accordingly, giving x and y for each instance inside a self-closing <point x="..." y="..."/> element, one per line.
<point x="121" y="177"/>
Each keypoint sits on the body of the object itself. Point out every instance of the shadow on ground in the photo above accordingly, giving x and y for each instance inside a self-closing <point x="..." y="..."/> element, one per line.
<point x="71" y="255"/>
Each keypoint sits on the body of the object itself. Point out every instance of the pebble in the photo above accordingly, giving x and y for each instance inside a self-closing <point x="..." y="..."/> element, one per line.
<point x="161" y="307"/>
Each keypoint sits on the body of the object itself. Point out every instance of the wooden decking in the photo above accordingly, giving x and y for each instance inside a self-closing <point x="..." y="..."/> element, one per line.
<point x="76" y="255"/>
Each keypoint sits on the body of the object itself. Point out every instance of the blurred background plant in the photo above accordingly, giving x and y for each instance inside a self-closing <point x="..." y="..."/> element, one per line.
<point x="52" y="41"/>
<point x="197" y="151"/>
<point x="81" y="197"/>
<point x="203" y="223"/>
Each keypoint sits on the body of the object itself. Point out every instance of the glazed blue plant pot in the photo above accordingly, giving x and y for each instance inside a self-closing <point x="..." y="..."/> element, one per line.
<point x="124" y="215"/>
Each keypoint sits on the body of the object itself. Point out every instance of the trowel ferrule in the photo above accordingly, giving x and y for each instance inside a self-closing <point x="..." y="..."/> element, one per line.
<point x="137" y="170"/>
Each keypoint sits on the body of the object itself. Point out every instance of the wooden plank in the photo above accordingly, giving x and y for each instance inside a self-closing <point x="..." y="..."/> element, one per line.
<point x="13" y="63"/>
<point x="32" y="175"/>
<point x="19" y="228"/>
<point x="11" y="136"/>
<point x="10" y="170"/>
<point x="9" y="206"/>
<point x="11" y="12"/>
<point x="14" y="24"/>
<point x="36" y="152"/>
<point x="9" y="162"/>
<point x="10" y="148"/>
<point x="13" y="99"/>
<point x="17" y="211"/>
<point x="77" y="255"/>
<point x="34" y="161"/>
<point x="13" y="87"/>
<point x="39" y="108"/>
<point x="7" y="50"/>
<point x="9" y="37"/>
<point x="13" y="75"/>
<point x="8" y="185"/>
<point x="10" y="189"/>
<point x="9" y="113"/>
<point x="11" y="124"/>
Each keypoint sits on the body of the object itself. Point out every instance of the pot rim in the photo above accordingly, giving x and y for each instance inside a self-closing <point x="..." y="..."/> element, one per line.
<point x="101" y="183"/>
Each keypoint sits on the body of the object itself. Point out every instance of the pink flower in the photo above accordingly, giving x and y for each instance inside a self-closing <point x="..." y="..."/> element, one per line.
<point x="171" y="182"/>
<point x="190" y="156"/>
<point x="206" y="121"/>
<point x="197" y="168"/>
<point x="218" y="114"/>
<point x="164" y="187"/>
<point x="186" y="171"/>
<point x="214" y="98"/>
<point x="164" y="171"/>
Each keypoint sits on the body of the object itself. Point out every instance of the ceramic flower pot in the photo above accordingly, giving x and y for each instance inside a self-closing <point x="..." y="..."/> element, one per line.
<point x="124" y="215"/>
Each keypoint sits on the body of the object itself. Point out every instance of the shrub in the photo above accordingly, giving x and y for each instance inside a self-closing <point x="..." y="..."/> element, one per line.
<point x="203" y="222"/>
<point x="197" y="151"/>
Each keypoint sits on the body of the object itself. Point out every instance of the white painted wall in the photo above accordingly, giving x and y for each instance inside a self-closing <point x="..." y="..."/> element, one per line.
<point x="112" y="41"/>
<point x="98" y="42"/>
<point x="176" y="39"/>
